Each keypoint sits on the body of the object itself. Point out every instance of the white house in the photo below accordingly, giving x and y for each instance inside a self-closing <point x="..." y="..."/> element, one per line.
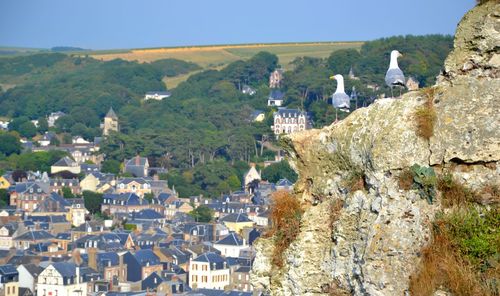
<point x="276" y="98"/>
<point x="287" y="121"/>
<point x="79" y="140"/>
<point x="28" y="275"/>
<point x="157" y="95"/>
<point x="4" y="124"/>
<point x="7" y="233"/>
<point x="65" y="164"/>
<point x="231" y="245"/>
<point x="61" y="279"/>
<point x="250" y="176"/>
<point x="209" y="271"/>
<point x="51" y="120"/>
<point x="247" y="90"/>
<point x="261" y="219"/>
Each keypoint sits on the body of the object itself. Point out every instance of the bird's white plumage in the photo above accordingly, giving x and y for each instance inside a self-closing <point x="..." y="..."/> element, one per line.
<point x="340" y="99"/>
<point x="394" y="76"/>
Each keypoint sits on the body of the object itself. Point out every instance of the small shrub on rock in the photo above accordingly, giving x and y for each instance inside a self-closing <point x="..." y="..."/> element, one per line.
<point x="424" y="180"/>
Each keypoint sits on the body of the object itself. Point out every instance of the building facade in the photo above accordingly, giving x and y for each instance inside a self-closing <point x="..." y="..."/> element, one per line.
<point x="110" y="122"/>
<point x="61" y="279"/>
<point x="287" y="121"/>
<point x="209" y="271"/>
<point x="276" y="78"/>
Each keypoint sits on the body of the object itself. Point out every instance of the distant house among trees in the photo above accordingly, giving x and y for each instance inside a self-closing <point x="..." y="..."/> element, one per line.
<point x="247" y="90"/>
<point x="51" y="120"/>
<point x="258" y="115"/>
<point x="287" y="121"/>
<point x="157" y="95"/>
<point x="276" y="78"/>
<point x="275" y="98"/>
<point x="137" y="166"/>
<point x="110" y="122"/>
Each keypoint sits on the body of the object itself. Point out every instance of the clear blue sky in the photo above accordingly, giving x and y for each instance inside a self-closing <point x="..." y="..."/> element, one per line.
<point x="107" y="24"/>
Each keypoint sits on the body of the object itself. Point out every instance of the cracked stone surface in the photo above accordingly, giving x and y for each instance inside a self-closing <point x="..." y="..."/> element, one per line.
<point x="373" y="244"/>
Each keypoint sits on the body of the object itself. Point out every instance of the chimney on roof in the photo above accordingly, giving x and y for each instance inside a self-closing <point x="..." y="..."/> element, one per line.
<point x="78" y="280"/>
<point x="92" y="253"/>
<point x="137" y="160"/>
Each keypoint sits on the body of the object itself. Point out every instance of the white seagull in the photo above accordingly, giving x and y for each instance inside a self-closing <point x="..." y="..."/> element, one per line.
<point x="394" y="76"/>
<point x="340" y="100"/>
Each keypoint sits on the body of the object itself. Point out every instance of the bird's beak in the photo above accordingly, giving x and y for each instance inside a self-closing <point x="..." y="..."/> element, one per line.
<point x="400" y="54"/>
<point x="332" y="77"/>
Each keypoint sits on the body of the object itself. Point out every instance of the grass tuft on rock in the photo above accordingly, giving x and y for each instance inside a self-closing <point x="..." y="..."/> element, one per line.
<point x="463" y="257"/>
<point x="285" y="216"/>
<point x="355" y="180"/>
<point x="405" y="179"/>
<point x="425" y="115"/>
<point x="454" y="193"/>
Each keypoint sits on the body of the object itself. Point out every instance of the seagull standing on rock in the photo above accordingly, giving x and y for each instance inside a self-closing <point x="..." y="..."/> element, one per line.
<point x="340" y="100"/>
<point x="394" y="76"/>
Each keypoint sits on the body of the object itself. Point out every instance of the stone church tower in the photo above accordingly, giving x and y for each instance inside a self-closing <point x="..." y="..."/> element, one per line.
<point x="110" y="122"/>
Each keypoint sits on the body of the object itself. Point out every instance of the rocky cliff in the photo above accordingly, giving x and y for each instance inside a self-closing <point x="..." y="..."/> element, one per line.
<point x="372" y="244"/>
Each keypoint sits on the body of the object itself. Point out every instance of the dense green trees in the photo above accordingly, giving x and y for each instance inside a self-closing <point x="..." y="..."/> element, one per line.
<point x="23" y="126"/>
<point x="92" y="201"/>
<point x="4" y="198"/>
<point x="66" y="192"/>
<point x="202" y="213"/>
<point x="110" y="166"/>
<point x="34" y="161"/>
<point x="276" y="171"/>
<point x="341" y="61"/>
<point x="9" y="144"/>
<point x="210" y="179"/>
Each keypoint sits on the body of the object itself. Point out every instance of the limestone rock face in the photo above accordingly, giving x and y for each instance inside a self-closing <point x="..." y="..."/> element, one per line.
<point x="372" y="245"/>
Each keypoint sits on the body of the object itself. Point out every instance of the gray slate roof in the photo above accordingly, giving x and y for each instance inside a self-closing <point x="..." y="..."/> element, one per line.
<point x="240" y="217"/>
<point x="111" y="113"/>
<point x="33" y="269"/>
<point x="231" y="240"/>
<point x="35" y="235"/>
<point x="65" y="161"/>
<point x="65" y="269"/>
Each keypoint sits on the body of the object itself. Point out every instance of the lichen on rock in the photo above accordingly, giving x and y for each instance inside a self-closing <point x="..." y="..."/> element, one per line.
<point x="373" y="244"/>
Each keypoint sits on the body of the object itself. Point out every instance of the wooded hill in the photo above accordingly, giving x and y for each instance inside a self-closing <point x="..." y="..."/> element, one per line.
<point x="207" y="117"/>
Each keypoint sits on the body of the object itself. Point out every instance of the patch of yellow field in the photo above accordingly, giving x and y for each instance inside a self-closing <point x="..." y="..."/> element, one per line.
<point x="217" y="56"/>
<point x="209" y="56"/>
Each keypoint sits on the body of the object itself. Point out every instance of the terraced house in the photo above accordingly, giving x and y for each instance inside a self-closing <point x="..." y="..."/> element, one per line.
<point x="287" y="121"/>
<point x="209" y="271"/>
<point x="27" y="196"/>
<point x="61" y="279"/>
<point x="123" y="203"/>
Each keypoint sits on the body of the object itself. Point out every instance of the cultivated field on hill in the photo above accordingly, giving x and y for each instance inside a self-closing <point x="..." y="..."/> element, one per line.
<point x="217" y="56"/>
